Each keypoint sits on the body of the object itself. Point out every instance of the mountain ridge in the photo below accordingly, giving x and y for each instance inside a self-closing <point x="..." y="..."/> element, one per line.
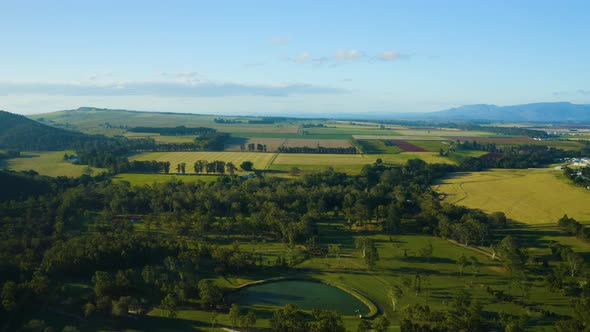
<point x="532" y="112"/>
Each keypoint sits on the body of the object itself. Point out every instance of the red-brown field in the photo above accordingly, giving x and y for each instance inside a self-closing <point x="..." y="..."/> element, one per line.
<point x="409" y="147"/>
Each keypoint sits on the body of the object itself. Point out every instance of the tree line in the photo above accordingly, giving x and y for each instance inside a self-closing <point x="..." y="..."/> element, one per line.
<point x="318" y="149"/>
<point x="174" y="131"/>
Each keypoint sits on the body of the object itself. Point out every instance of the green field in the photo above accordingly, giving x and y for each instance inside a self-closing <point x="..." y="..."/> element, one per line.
<point x="349" y="163"/>
<point x="532" y="196"/>
<point x="377" y="146"/>
<point x="49" y="163"/>
<point x="261" y="160"/>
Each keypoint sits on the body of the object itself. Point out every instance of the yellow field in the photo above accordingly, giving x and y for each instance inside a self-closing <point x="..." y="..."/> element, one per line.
<point x="260" y="160"/>
<point x="532" y="196"/>
<point x="49" y="163"/>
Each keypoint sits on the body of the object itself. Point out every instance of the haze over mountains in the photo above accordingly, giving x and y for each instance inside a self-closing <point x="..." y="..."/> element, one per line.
<point x="534" y="112"/>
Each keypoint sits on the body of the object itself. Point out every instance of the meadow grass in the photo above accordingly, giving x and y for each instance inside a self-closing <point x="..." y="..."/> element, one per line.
<point x="50" y="163"/>
<point x="532" y="196"/>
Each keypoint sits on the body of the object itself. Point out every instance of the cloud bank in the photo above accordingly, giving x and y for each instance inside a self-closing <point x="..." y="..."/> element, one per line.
<point x="191" y="88"/>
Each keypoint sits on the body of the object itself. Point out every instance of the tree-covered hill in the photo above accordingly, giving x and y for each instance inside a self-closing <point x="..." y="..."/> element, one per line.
<point x="19" y="132"/>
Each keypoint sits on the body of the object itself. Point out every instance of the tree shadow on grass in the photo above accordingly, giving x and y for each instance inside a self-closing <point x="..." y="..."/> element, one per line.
<point x="433" y="260"/>
<point x="146" y="323"/>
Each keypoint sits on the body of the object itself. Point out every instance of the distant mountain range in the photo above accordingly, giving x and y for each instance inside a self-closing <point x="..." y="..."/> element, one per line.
<point x="536" y="112"/>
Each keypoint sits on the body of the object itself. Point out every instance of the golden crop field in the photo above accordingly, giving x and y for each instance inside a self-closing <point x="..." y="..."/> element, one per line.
<point x="261" y="160"/>
<point x="49" y="163"/>
<point x="532" y="196"/>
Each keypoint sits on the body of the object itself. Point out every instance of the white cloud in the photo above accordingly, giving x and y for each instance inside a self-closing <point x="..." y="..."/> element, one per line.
<point x="280" y="40"/>
<point x="390" y="56"/>
<point x="100" y="76"/>
<point x="305" y="56"/>
<point x="349" y="55"/>
<point x="584" y="92"/>
<point x="163" y="89"/>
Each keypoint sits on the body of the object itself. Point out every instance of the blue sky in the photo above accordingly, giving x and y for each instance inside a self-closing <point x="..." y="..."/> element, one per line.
<point x="291" y="57"/>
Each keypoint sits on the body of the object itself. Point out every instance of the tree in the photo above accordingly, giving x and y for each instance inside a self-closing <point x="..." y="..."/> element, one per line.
<point x="334" y="250"/>
<point x="209" y="293"/>
<point x="288" y="319"/>
<point x="427" y="251"/>
<point x="88" y="309"/>
<point x="574" y="261"/>
<point x="103" y="283"/>
<point x="9" y="295"/>
<point x="248" y="320"/>
<point x="395" y="293"/>
<point x="295" y="171"/>
<point x="69" y="328"/>
<point x="363" y="326"/>
<point x="372" y="256"/>
<point x="381" y="324"/>
<point x="362" y="243"/>
<point x="462" y="262"/>
<point x="247" y="165"/>
<point x="170" y="302"/>
<point x="121" y="307"/>
<point x="231" y="168"/>
<point x="234" y="315"/>
<point x="326" y="320"/>
<point x="35" y="325"/>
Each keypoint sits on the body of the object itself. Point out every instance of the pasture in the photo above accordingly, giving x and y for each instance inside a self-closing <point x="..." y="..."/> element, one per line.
<point x="349" y="163"/>
<point x="51" y="164"/>
<point x="532" y="196"/>
<point x="261" y="160"/>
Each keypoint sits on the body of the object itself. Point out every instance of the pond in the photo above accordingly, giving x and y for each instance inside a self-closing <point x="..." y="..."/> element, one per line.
<point x="307" y="295"/>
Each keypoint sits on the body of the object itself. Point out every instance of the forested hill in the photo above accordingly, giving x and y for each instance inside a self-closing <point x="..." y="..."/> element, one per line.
<point x="19" y="132"/>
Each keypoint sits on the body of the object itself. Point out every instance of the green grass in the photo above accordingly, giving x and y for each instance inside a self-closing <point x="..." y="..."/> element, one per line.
<point x="377" y="146"/>
<point x="348" y="163"/>
<point x="49" y="163"/>
<point x="148" y="179"/>
<point x="532" y="196"/>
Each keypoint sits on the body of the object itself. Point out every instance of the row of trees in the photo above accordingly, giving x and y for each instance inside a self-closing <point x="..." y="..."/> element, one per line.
<point x="251" y="147"/>
<point x="173" y="131"/>
<point x="318" y="149"/>
<point x="573" y="227"/>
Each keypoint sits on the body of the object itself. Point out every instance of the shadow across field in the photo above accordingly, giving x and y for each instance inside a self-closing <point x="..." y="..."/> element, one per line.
<point x="147" y="323"/>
